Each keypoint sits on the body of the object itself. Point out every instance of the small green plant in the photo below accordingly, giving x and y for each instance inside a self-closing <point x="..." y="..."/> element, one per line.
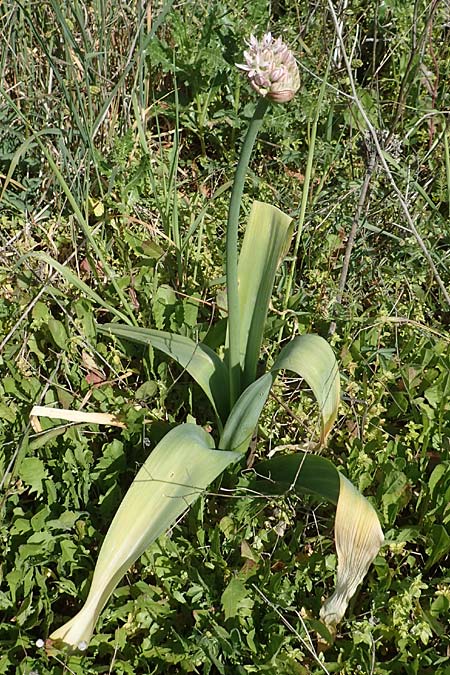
<point x="186" y="460"/>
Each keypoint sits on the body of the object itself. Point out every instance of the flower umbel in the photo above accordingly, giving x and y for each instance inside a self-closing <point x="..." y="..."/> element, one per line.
<point x="271" y="68"/>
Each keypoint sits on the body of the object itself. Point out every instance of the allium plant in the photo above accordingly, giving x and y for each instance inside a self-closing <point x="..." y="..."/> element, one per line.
<point x="186" y="461"/>
<point x="271" y="68"/>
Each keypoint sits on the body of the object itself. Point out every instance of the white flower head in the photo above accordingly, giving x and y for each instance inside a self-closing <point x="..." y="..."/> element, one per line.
<point x="271" y="68"/>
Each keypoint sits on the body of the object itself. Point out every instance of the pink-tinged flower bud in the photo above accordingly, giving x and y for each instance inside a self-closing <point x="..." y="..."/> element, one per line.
<point x="271" y="68"/>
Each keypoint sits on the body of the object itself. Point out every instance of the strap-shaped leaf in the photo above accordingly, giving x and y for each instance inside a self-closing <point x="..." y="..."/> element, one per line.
<point x="301" y="472"/>
<point x="201" y="362"/>
<point x="178" y="470"/>
<point x="357" y="529"/>
<point x="266" y="241"/>
<point x="311" y="357"/>
<point x="358" y="536"/>
<point x="244" y="416"/>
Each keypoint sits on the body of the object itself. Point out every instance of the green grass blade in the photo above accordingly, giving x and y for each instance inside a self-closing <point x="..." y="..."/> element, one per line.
<point x="22" y="150"/>
<point x="88" y="234"/>
<point x="176" y="473"/>
<point x="78" y="112"/>
<point x="72" y="278"/>
<point x="144" y="38"/>
<point x="201" y="362"/>
<point x="267" y="238"/>
<point x="307" y="183"/>
<point x="202" y="213"/>
<point x="311" y="357"/>
<point x="158" y="22"/>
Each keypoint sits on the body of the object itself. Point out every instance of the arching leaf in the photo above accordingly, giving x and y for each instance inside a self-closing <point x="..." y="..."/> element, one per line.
<point x="176" y="473"/>
<point x="266" y="241"/>
<point x="311" y="357"/>
<point x="201" y="362"/>
<point x="358" y="533"/>
<point x="244" y="417"/>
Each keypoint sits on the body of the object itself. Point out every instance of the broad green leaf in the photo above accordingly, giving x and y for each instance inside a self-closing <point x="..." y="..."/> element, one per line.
<point x="266" y="241"/>
<point x="311" y="357"/>
<point x="440" y="545"/>
<point x="176" y="473"/>
<point x="358" y="532"/>
<point x="40" y="311"/>
<point x="206" y="368"/>
<point x="244" y="416"/>
<point x="41" y="439"/>
<point x="301" y="472"/>
<point x="164" y="301"/>
<point x="32" y="471"/>
<point x="58" y="333"/>
<point x="147" y="390"/>
<point x="8" y="412"/>
<point x="438" y="472"/>
<point x="233" y="596"/>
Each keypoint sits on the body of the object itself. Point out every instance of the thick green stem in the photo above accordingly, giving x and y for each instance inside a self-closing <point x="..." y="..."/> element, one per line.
<point x="234" y="361"/>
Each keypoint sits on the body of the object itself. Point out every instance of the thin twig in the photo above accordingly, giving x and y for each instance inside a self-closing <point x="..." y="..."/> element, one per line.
<point x="288" y="625"/>
<point x="383" y="162"/>
<point x="351" y="237"/>
<point x="416" y="48"/>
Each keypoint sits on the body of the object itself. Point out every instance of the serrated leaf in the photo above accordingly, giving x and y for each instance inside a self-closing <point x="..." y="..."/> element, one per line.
<point x="32" y="471"/>
<point x="232" y="597"/>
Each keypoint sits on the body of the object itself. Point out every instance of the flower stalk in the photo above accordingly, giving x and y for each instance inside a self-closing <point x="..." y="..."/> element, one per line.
<point x="273" y="73"/>
<point x="234" y="355"/>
